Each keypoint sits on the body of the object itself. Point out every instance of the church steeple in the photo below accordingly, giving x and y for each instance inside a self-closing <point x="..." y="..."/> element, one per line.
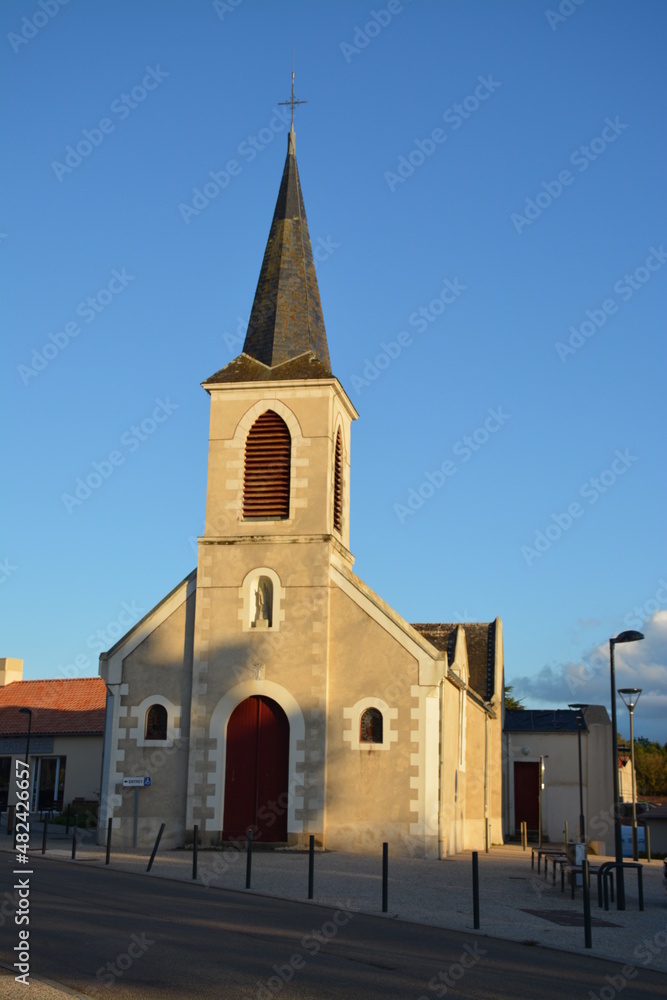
<point x="286" y="321"/>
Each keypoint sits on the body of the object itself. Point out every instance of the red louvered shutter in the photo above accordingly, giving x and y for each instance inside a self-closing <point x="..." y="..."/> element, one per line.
<point x="266" y="476"/>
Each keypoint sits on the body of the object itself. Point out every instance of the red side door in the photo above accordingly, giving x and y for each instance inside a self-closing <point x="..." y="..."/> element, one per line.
<point x="526" y="806"/>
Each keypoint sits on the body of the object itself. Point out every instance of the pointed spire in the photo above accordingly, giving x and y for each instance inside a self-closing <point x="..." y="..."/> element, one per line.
<point x="286" y="320"/>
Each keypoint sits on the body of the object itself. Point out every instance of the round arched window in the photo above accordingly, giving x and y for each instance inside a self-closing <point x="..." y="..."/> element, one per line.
<point x="370" y="727"/>
<point x="156" y="723"/>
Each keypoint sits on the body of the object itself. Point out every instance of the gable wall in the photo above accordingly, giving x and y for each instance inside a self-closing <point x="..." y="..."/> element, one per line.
<point x="370" y="791"/>
<point x="158" y="668"/>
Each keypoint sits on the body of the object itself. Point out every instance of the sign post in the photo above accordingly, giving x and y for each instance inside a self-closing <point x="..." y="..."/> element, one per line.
<point x="136" y="783"/>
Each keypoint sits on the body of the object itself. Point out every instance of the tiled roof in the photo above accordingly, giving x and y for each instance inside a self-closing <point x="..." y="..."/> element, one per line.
<point x="286" y="321"/>
<point x="481" y="646"/>
<point x="59" y="707"/>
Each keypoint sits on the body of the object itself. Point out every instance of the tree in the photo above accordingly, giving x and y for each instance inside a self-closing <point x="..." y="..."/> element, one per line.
<point x="651" y="767"/>
<point x="510" y="700"/>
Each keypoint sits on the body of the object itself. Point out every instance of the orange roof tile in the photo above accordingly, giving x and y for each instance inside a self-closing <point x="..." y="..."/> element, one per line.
<point x="59" y="707"/>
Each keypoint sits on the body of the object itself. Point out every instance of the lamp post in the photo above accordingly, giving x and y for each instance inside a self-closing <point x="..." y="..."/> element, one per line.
<point x="630" y="698"/>
<point x="579" y="709"/>
<point x="540" y="789"/>
<point x="629" y="636"/>
<point x="28" y="712"/>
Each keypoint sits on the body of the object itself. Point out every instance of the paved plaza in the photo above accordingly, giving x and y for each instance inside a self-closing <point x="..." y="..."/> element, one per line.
<point x="516" y="903"/>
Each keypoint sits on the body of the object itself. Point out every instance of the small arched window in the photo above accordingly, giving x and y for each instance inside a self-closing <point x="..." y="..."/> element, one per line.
<point x="266" y="472"/>
<point x="338" y="484"/>
<point x="156" y="723"/>
<point x="370" y="727"/>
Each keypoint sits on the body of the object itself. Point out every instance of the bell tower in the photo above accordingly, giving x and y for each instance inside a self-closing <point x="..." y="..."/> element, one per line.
<point x="280" y="421"/>
<point x="277" y="520"/>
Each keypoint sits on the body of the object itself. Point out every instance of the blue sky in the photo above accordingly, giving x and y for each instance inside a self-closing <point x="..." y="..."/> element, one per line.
<point x="484" y="185"/>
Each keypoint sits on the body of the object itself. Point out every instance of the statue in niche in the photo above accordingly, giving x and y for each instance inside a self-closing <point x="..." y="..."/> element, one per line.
<point x="263" y="603"/>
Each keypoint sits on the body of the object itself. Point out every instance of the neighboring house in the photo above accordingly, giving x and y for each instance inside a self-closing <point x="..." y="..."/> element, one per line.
<point x="272" y="689"/>
<point x="552" y="735"/>
<point x="656" y="821"/>
<point x="624" y="776"/>
<point x="66" y="738"/>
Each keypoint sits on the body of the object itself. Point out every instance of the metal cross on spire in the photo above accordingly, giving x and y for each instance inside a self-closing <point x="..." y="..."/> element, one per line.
<point x="292" y="101"/>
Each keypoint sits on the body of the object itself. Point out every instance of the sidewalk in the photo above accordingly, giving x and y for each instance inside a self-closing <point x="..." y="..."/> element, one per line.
<point x="516" y="903"/>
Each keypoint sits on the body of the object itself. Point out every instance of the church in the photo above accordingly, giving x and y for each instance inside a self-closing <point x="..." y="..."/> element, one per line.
<point x="272" y="689"/>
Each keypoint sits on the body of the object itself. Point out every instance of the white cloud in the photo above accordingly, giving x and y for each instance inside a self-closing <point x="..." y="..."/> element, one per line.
<point x="638" y="664"/>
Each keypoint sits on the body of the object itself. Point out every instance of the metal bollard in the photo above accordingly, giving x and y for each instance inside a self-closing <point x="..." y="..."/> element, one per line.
<point x="647" y="832"/>
<point x="385" y="876"/>
<point x="587" y="903"/>
<point x="157" y="844"/>
<point x="475" y="889"/>
<point x="311" y="865"/>
<point x="109" y="825"/>
<point x="248" y="862"/>
<point x="194" y="852"/>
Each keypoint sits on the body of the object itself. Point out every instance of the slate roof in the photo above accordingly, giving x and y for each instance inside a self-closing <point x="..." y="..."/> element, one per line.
<point x="532" y="720"/>
<point x="247" y="369"/>
<point x="286" y="321"/>
<point x="59" y="707"/>
<point x="659" y="813"/>
<point x="480" y="644"/>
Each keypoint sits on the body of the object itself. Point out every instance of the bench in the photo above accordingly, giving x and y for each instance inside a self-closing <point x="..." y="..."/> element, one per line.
<point x="542" y="853"/>
<point x="556" y="859"/>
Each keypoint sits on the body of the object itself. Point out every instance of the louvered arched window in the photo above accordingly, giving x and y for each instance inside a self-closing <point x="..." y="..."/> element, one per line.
<point x="266" y="474"/>
<point x="338" y="484"/>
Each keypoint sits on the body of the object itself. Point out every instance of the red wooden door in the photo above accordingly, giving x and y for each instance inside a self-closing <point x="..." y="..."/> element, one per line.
<point x="526" y="807"/>
<point x="256" y="772"/>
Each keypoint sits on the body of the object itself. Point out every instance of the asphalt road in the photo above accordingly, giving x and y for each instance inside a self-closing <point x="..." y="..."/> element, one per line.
<point x="105" y="933"/>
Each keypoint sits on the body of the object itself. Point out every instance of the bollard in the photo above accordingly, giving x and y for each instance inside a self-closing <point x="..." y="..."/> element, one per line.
<point x="194" y="852"/>
<point x="157" y="844"/>
<point x="475" y="890"/>
<point x="46" y="826"/>
<point x="385" y="876"/>
<point x="647" y="830"/>
<point x="524" y="826"/>
<point x="587" y="903"/>
<point x="74" y="837"/>
<point x="311" y="865"/>
<point x="248" y="862"/>
<point x="67" y="820"/>
<point x="109" y="825"/>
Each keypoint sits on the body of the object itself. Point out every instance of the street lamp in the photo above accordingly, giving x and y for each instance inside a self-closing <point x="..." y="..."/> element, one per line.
<point x="630" y="698"/>
<point x="579" y="709"/>
<point x="28" y="712"/>
<point x="629" y="636"/>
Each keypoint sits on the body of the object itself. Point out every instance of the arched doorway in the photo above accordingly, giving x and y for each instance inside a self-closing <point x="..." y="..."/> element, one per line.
<point x="257" y="771"/>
